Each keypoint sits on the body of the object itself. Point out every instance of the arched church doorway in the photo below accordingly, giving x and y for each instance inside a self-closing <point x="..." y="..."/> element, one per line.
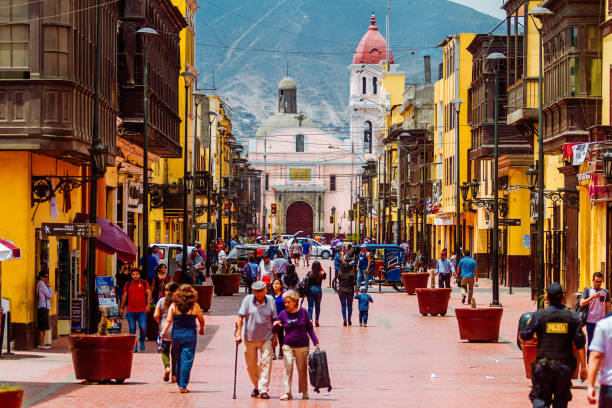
<point x="299" y="217"/>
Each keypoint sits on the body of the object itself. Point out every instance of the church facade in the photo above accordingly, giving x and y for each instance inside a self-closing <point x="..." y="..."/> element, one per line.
<point x="306" y="173"/>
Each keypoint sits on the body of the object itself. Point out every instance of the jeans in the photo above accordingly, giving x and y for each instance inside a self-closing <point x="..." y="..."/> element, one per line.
<point x="314" y="301"/>
<point x="590" y="328"/>
<point x="168" y="357"/>
<point x="444" y="280"/>
<point x="346" y="305"/>
<point x="183" y="345"/>
<point x="141" y="319"/>
<point x="363" y="317"/>
<point x="362" y="275"/>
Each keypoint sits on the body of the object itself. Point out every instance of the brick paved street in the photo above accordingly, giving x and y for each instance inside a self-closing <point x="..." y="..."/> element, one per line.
<point x="389" y="363"/>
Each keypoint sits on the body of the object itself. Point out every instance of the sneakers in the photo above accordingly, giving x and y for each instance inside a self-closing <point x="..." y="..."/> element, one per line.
<point x="143" y="346"/>
<point x="255" y="393"/>
<point x="305" y="395"/>
<point x="135" y="349"/>
<point x="350" y="323"/>
<point x="360" y="324"/>
<point x="365" y="325"/>
<point x="43" y="347"/>
<point x="286" y="397"/>
<point x="344" y="323"/>
<point x="273" y="356"/>
<point x="264" y="395"/>
<point x="316" y="323"/>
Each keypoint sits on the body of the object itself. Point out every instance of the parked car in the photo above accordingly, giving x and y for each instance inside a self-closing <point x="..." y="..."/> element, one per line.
<point x="168" y="253"/>
<point x="285" y="238"/>
<point x="316" y="248"/>
<point x="242" y="252"/>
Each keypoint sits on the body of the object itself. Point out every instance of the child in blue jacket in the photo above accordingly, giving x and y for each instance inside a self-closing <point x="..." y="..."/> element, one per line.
<point x="364" y="306"/>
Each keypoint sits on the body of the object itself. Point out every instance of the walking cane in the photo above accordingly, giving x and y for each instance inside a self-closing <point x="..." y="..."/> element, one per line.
<point x="235" y="367"/>
<point x="235" y="370"/>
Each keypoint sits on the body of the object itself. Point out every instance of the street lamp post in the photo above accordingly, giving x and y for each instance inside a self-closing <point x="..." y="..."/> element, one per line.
<point x="145" y="32"/>
<point x="333" y="211"/>
<point x="197" y="99"/>
<point x="213" y="115"/>
<point x="540" y="13"/>
<point x="98" y="168"/>
<point x="496" y="58"/>
<point x="457" y="105"/>
<point x="188" y="77"/>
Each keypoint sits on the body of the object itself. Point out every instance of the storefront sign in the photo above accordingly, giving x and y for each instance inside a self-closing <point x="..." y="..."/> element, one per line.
<point x="70" y="230"/>
<point x="444" y="221"/>
<point x="510" y="222"/>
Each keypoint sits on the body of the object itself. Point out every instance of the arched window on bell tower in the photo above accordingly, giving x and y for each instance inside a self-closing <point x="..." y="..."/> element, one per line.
<point x="367" y="137"/>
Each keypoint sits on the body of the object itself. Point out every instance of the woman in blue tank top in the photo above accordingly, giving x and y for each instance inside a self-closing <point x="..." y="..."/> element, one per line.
<point x="182" y="316"/>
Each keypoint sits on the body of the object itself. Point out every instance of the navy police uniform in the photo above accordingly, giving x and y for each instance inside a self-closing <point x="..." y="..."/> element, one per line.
<point x="557" y="329"/>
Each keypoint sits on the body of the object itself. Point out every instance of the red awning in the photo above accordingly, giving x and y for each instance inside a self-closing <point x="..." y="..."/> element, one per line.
<point x="112" y="239"/>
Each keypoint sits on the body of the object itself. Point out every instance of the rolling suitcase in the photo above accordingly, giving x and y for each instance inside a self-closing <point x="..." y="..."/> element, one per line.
<point x="317" y="370"/>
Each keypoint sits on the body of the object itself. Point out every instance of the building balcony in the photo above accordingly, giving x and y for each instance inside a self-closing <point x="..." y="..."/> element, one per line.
<point x="202" y="182"/>
<point x="523" y="101"/>
<point x="45" y="116"/>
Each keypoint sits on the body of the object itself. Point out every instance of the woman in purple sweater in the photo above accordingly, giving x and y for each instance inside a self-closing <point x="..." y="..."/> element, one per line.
<point x="295" y="322"/>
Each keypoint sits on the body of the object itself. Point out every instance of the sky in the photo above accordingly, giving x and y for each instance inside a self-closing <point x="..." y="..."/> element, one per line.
<point x="491" y="7"/>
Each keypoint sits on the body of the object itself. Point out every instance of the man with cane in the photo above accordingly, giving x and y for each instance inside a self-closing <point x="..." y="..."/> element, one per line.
<point x="256" y="316"/>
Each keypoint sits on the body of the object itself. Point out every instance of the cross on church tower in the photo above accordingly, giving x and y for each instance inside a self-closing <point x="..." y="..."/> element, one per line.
<point x="300" y="117"/>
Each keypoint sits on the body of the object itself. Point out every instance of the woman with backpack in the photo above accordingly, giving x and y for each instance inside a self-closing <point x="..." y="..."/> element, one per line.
<point x="346" y="290"/>
<point x="182" y="316"/>
<point x="137" y="298"/>
<point x="290" y="279"/>
<point x="165" y="342"/>
<point x="315" y="293"/>
<point x="250" y="272"/>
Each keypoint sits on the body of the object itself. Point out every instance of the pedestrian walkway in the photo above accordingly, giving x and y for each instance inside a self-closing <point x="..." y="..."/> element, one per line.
<point x="400" y="360"/>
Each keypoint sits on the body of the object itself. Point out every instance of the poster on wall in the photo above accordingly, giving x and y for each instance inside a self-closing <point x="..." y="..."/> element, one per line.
<point x="105" y="286"/>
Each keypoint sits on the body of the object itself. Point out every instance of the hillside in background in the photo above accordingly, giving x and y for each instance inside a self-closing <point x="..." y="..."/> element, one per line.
<point x="248" y="44"/>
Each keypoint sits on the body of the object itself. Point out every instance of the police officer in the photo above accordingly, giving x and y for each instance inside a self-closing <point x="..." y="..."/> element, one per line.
<point x="556" y="328"/>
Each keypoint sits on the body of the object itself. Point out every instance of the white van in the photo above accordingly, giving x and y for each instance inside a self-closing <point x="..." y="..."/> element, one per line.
<point x="168" y="253"/>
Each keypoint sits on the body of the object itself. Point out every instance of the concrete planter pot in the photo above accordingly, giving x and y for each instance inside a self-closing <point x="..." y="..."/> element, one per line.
<point x="379" y="269"/>
<point x="205" y="294"/>
<point x="433" y="301"/>
<point x="480" y="324"/>
<point x="530" y="349"/>
<point x="226" y="284"/>
<point x="11" y="398"/>
<point x="414" y="280"/>
<point x="100" y="358"/>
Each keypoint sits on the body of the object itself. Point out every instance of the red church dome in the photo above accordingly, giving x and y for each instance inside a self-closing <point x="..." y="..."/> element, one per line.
<point x="372" y="48"/>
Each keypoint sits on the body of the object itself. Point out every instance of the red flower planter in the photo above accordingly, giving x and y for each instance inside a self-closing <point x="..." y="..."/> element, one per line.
<point x="414" y="280"/>
<point x="226" y="284"/>
<point x="433" y="301"/>
<point x="99" y="358"/>
<point x="479" y="324"/>
<point x="11" y="399"/>
<point x="205" y="293"/>
<point x="379" y="266"/>
<point x="530" y="349"/>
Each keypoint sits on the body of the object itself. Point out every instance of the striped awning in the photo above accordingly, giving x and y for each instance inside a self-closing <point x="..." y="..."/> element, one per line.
<point x="8" y="250"/>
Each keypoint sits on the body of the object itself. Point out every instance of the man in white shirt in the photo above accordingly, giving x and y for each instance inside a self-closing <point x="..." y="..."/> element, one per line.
<point x="600" y="361"/>
<point x="45" y="293"/>
<point x="444" y="269"/>
<point x="266" y="268"/>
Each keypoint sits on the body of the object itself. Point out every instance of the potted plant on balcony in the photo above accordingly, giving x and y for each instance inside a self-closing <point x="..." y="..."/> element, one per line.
<point x="11" y="396"/>
<point x="101" y="358"/>
<point x="226" y="282"/>
<point x="433" y="301"/>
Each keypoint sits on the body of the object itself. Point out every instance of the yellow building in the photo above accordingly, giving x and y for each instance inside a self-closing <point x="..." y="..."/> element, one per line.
<point x="454" y="85"/>
<point x="390" y="100"/>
